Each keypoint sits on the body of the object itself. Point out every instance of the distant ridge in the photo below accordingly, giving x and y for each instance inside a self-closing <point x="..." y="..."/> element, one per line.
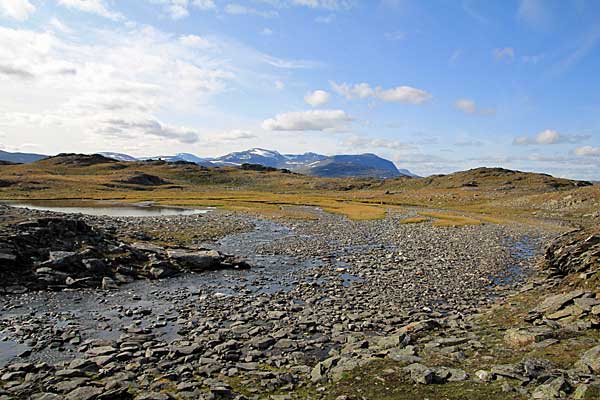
<point x="347" y="165"/>
<point x="20" y="158"/>
<point x="359" y="165"/>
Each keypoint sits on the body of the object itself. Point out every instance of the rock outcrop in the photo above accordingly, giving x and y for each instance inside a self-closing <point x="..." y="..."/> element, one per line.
<point x="57" y="253"/>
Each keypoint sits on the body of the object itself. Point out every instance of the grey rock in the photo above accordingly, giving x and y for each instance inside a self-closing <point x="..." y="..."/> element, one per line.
<point x="84" y="393"/>
<point x="420" y="373"/>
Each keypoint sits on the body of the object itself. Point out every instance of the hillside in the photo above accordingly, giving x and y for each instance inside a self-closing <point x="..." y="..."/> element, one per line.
<point x="499" y="179"/>
<point x="492" y="192"/>
<point x="359" y="165"/>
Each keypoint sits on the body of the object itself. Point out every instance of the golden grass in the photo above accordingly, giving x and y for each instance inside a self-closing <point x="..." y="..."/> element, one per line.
<point x="450" y="220"/>
<point x="279" y="195"/>
<point x="414" y="220"/>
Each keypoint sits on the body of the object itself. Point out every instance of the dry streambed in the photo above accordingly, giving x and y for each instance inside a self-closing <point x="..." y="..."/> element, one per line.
<point x="322" y="298"/>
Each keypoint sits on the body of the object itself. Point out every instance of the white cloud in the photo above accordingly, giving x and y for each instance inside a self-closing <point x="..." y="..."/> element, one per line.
<point x="266" y="32"/>
<point x="141" y="73"/>
<point x="324" y="4"/>
<point x="133" y="127"/>
<point x="317" y="98"/>
<point x="194" y="41"/>
<point x="588" y="151"/>
<point x="177" y="9"/>
<point x="233" y="135"/>
<point x="504" y="53"/>
<point x="359" y="90"/>
<point x="470" y="107"/>
<point x="16" y="9"/>
<point x="288" y="64"/>
<point x="92" y="6"/>
<point x="548" y="137"/>
<point x="313" y="120"/>
<point x="466" y="105"/>
<point x="238" y="9"/>
<point x="148" y="88"/>
<point x="361" y="142"/>
<point x="279" y="85"/>
<point x="204" y="4"/>
<point x="59" y="26"/>
<point x="402" y="94"/>
<point x="534" y="12"/>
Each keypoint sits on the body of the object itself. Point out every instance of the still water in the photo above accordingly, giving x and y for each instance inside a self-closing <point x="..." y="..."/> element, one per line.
<point x="109" y="209"/>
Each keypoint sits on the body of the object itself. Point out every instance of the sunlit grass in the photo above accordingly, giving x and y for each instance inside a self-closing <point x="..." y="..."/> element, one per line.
<point x="414" y="220"/>
<point x="450" y="220"/>
<point x="280" y="195"/>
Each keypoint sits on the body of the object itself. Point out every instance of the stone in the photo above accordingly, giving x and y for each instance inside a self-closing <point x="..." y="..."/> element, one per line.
<point x="554" y="303"/>
<point x="586" y="303"/>
<point x="518" y="337"/>
<point x="262" y="342"/>
<point x="587" y="392"/>
<point x="83" y="365"/>
<point x="590" y="360"/>
<point x="108" y="283"/>
<point x="388" y="342"/>
<point x="45" y="396"/>
<point x="7" y="258"/>
<point x="420" y="373"/>
<point x="568" y="311"/>
<point x="84" y="393"/>
<point x="101" y="351"/>
<point x="318" y="373"/>
<point x="161" y="271"/>
<point x="419" y="326"/>
<point x="483" y="375"/>
<point x="556" y="389"/>
<point x="95" y="266"/>
<point x="512" y="371"/>
<point x="148" y="247"/>
<point x="457" y="375"/>
<point x="196" y="260"/>
<point x="152" y="396"/>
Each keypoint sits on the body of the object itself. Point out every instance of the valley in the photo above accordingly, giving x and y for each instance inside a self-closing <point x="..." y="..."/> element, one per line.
<point x="288" y="286"/>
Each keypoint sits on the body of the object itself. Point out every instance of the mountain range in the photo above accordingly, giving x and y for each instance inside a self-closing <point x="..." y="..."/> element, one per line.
<point x="359" y="165"/>
<point x="20" y="158"/>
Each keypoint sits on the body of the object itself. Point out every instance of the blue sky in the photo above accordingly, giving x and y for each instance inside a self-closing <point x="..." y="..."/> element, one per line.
<point x="435" y="86"/>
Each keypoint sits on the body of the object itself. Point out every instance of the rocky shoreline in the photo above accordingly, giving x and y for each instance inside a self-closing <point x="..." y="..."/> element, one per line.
<point x="322" y="300"/>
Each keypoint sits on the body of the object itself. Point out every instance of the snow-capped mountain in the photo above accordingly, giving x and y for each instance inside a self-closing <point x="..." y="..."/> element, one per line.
<point x="363" y="165"/>
<point x="182" y="157"/>
<point x="305" y="158"/>
<point x="366" y="165"/>
<point x="268" y="158"/>
<point x="117" y="156"/>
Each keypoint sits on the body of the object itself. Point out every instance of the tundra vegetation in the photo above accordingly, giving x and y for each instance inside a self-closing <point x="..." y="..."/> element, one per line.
<point x="481" y="284"/>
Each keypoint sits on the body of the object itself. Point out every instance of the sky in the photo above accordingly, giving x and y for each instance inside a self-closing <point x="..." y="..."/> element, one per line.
<point x="435" y="86"/>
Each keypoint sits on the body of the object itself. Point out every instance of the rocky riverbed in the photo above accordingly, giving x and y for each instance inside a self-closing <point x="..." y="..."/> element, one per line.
<point x="321" y="298"/>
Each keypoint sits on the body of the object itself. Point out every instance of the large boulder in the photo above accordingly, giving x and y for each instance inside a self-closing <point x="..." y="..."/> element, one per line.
<point x="576" y="251"/>
<point x="524" y="337"/>
<point x="200" y="260"/>
<point x="554" y="303"/>
<point x="590" y="360"/>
